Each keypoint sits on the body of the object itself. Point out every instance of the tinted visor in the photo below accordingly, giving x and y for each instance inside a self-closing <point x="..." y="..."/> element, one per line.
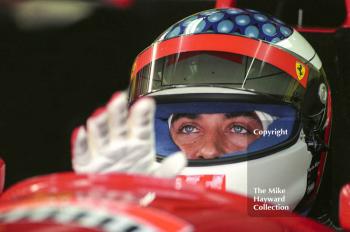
<point x="249" y="65"/>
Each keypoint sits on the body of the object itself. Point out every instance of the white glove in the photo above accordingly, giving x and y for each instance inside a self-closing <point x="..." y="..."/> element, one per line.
<point x="120" y="141"/>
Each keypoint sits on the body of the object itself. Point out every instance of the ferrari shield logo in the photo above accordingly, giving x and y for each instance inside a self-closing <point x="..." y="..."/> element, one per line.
<point x="300" y="70"/>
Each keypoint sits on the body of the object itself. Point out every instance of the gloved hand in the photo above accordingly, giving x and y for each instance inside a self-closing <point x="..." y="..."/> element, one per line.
<point x="116" y="140"/>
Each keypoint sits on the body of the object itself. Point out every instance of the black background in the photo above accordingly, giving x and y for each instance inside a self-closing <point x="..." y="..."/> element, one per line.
<point x="53" y="78"/>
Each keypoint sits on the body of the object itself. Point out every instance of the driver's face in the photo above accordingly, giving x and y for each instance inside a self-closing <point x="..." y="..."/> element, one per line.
<point x="208" y="136"/>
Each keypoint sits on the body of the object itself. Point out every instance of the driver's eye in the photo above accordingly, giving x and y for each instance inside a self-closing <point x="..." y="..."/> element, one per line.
<point x="188" y="129"/>
<point x="239" y="129"/>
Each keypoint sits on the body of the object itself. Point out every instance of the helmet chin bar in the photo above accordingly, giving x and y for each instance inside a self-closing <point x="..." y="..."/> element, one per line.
<point x="291" y="165"/>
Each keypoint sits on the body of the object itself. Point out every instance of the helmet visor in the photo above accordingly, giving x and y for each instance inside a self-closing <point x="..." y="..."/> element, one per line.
<point x="263" y="69"/>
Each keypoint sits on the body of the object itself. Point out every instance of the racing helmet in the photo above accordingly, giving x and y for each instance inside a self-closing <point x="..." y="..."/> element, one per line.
<point x="245" y="97"/>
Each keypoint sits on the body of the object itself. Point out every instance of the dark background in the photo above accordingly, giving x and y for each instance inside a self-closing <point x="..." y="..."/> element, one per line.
<point x="53" y="78"/>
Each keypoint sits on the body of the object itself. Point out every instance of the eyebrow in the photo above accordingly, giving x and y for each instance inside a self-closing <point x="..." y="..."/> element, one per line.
<point x="246" y="114"/>
<point x="184" y="115"/>
<point x="227" y="115"/>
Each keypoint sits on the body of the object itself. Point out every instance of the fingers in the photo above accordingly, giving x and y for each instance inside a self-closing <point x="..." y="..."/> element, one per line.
<point x="79" y="148"/>
<point x="141" y="120"/>
<point x="117" y="139"/>
<point x="171" y="166"/>
<point x="98" y="132"/>
<point x="117" y="109"/>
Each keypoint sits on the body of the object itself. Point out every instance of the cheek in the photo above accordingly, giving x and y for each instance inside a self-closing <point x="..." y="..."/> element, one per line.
<point x="240" y="142"/>
<point x="190" y="150"/>
<point x="189" y="146"/>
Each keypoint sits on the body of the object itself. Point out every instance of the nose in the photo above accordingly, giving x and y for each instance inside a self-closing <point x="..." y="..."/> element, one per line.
<point x="210" y="150"/>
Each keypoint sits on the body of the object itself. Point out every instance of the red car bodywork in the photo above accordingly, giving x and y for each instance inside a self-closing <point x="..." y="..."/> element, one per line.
<point x="175" y="205"/>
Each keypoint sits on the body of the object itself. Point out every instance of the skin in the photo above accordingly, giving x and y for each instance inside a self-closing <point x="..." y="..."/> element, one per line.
<point x="208" y="136"/>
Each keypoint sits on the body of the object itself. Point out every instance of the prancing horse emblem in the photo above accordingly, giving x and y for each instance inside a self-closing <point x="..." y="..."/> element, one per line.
<point x="300" y="70"/>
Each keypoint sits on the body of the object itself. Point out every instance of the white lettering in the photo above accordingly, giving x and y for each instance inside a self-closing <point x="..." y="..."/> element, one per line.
<point x="270" y="207"/>
<point x="268" y="133"/>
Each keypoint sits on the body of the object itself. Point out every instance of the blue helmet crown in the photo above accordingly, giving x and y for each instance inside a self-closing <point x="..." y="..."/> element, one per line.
<point x="244" y="22"/>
